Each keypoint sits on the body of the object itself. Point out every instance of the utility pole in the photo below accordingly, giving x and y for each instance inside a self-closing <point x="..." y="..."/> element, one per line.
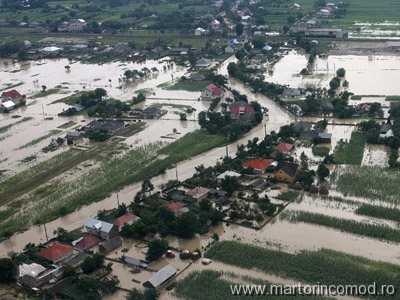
<point x="45" y="231"/>
<point x="117" y="199"/>
<point x="226" y="148"/>
<point x="176" y="172"/>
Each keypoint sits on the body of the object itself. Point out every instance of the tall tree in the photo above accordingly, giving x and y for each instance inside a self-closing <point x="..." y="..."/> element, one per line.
<point x="156" y="249"/>
<point x="7" y="267"/>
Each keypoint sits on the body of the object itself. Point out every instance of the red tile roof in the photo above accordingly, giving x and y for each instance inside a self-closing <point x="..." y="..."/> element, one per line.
<point x="241" y="110"/>
<point x="87" y="242"/>
<point x="13" y="94"/>
<point x="126" y="218"/>
<point x="261" y="163"/>
<point x="198" y="192"/>
<point x="175" y="207"/>
<point x="55" y="251"/>
<point x="284" y="147"/>
<point x="215" y="90"/>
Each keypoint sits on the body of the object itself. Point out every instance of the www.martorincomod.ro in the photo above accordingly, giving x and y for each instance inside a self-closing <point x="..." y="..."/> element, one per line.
<point x="313" y="290"/>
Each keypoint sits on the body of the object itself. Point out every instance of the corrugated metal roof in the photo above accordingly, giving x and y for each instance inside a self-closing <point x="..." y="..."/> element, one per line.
<point x="161" y="276"/>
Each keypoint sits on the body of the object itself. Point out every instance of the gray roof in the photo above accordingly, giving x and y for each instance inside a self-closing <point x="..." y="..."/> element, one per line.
<point x="32" y="269"/>
<point x="102" y="226"/>
<point x="324" y="135"/>
<point x="76" y="259"/>
<point x="135" y="262"/>
<point x="110" y="245"/>
<point x="161" y="276"/>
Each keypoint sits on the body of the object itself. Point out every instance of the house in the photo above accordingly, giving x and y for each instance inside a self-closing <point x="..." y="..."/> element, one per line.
<point x="178" y="51"/>
<point x="110" y="245"/>
<point x="74" y="135"/>
<point x="215" y="24"/>
<point x="210" y="92"/>
<point x="231" y="48"/>
<point x="309" y="135"/>
<point x="259" y="165"/>
<point x="75" y="260"/>
<point x="56" y="252"/>
<point x="386" y="130"/>
<point x="128" y="218"/>
<point x="197" y="77"/>
<point x="86" y="242"/>
<point x="284" y="147"/>
<point x="325" y="137"/>
<point x="160" y="277"/>
<point x="286" y="171"/>
<point x="228" y="173"/>
<point x="177" y="207"/>
<point x="12" y="95"/>
<point x="200" y="31"/>
<point x="27" y="44"/>
<point x="104" y="230"/>
<point x="153" y="113"/>
<point x="50" y="50"/>
<point x="203" y="63"/>
<point x="121" y="48"/>
<point x="198" y="193"/>
<point x="28" y="274"/>
<point x="258" y="184"/>
<point x="295" y="7"/>
<point x="110" y="126"/>
<point x="291" y="93"/>
<point x="215" y="193"/>
<point x="303" y="125"/>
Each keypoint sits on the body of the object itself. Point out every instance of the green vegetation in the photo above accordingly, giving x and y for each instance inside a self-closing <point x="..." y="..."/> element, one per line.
<point x="45" y="93"/>
<point x="369" y="182"/>
<point x="218" y="285"/>
<point x="156" y="249"/>
<point x="114" y="173"/>
<point x="29" y="158"/>
<point x="192" y="86"/>
<point x="324" y="266"/>
<point x="289" y="195"/>
<point x="350" y="153"/>
<point x="392" y="98"/>
<point x="38" y="140"/>
<point x="380" y="212"/>
<point x="320" y="151"/>
<point x="380" y="232"/>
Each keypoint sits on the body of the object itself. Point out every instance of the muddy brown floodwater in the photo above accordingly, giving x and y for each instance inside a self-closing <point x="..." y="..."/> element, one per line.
<point x="277" y="234"/>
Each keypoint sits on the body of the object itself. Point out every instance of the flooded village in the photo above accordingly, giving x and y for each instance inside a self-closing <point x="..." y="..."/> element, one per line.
<point x="316" y="189"/>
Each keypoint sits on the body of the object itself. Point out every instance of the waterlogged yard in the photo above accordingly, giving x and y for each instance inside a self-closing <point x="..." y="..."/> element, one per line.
<point x="111" y="168"/>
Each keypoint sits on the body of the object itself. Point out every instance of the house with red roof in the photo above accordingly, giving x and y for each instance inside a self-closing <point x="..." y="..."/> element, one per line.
<point x="128" y="218"/>
<point x="198" y="193"/>
<point x="211" y="91"/>
<point x="56" y="252"/>
<point x="177" y="207"/>
<point x="12" y="95"/>
<point x="86" y="242"/>
<point x="284" y="147"/>
<point x="242" y="112"/>
<point x="259" y="165"/>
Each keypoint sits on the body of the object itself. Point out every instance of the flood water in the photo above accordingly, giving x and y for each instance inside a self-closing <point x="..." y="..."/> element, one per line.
<point x="277" y="234"/>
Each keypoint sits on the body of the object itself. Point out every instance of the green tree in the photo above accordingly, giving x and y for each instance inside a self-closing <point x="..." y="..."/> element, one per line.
<point x="156" y="249"/>
<point x="322" y="172"/>
<point x="187" y="225"/>
<point x="92" y="263"/>
<point x="135" y="294"/>
<point x="7" y="267"/>
<point x="340" y="72"/>
<point x="229" y="184"/>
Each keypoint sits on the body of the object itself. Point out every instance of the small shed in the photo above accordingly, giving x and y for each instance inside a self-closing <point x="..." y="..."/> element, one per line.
<point x="160" y="277"/>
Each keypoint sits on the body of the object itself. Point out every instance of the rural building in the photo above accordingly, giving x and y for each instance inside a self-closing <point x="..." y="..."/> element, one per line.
<point x="242" y="112"/>
<point x="56" y="252"/>
<point x="7" y="105"/>
<point x="327" y="32"/>
<point x="110" y="245"/>
<point x="284" y="147"/>
<point x="128" y="218"/>
<point x="295" y="7"/>
<point x="286" y="171"/>
<point x="203" y="63"/>
<point x="325" y="137"/>
<point x="50" y="50"/>
<point x="200" y="31"/>
<point x="177" y="207"/>
<point x="215" y="24"/>
<point x="74" y="135"/>
<point x="303" y="125"/>
<point x="160" y="277"/>
<point x="386" y="130"/>
<point x="110" y="126"/>
<point x="228" y="173"/>
<point x="198" y="193"/>
<point x="104" y="230"/>
<point x="153" y="113"/>
<point x="231" y="48"/>
<point x="258" y="184"/>
<point x="291" y="93"/>
<point x="12" y="95"/>
<point x="178" y="51"/>
<point x="86" y="242"/>
<point x="28" y="274"/>
<point x="309" y="135"/>
<point x="135" y="262"/>
<point x="259" y="165"/>
<point x="215" y="193"/>
<point x="210" y="92"/>
<point x="75" y="260"/>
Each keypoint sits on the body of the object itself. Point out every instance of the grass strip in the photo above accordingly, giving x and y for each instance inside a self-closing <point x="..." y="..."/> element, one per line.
<point x="380" y="212"/>
<point x="219" y="284"/>
<point x="324" y="266"/>
<point x="376" y="231"/>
